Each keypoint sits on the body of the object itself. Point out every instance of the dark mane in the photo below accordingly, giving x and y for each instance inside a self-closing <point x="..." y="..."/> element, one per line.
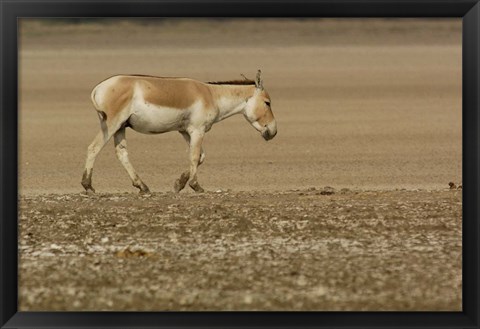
<point x="229" y="82"/>
<point x="152" y="76"/>
<point x="232" y="82"/>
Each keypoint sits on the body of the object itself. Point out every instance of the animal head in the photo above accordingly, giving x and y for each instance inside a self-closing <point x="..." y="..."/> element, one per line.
<point x="258" y="110"/>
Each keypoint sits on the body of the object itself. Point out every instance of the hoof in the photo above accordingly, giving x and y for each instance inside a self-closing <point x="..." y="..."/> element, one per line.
<point x="196" y="187"/>
<point x="90" y="191"/>
<point x="181" y="182"/>
<point x="142" y="187"/>
<point x="177" y="187"/>
<point x="145" y="191"/>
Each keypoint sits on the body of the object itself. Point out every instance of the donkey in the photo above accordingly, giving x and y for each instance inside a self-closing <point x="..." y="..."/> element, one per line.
<point x="155" y="105"/>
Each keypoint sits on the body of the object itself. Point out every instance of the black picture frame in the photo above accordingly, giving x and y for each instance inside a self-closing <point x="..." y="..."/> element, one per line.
<point x="10" y="11"/>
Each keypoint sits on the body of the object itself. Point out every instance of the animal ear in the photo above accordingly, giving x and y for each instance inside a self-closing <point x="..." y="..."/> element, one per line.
<point x="258" y="80"/>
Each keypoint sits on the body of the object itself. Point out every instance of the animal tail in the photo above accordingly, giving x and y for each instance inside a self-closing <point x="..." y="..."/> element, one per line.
<point x="101" y="114"/>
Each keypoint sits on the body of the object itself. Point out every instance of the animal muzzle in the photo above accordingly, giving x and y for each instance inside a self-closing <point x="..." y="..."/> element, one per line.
<point x="270" y="132"/>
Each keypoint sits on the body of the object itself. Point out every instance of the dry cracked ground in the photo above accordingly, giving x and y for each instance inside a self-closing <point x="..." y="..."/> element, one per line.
<point x="310" y="249"/>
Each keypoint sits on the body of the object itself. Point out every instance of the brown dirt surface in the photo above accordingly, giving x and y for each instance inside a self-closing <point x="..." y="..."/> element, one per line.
<point x="292" y="250"/>
<point x="370" y="106"/>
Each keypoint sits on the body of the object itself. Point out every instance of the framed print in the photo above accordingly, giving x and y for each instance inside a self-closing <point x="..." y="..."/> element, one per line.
<point x="289" y="164"/>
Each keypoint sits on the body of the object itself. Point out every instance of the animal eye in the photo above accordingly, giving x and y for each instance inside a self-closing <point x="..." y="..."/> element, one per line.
<point x="268" y="103"/>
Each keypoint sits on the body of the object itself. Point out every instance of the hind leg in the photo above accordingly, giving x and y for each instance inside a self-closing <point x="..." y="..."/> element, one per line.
<point x="122" y="155"/>
<point x="94" y="149"/>
<point x="185" y="176"/>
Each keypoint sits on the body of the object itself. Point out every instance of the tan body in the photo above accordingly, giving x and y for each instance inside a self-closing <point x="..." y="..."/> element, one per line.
<point x="154" y="105"/>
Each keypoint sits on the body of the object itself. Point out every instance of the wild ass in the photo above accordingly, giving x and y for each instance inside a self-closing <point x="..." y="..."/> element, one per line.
<point x="155" y="105"/>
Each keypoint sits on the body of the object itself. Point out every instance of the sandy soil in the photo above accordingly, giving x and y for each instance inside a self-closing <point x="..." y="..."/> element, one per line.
<point x="373" y="106"/>
<point x="293" y="250"/>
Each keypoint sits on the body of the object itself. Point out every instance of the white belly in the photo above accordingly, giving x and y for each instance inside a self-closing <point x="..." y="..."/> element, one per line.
<point x="153" y="119"/>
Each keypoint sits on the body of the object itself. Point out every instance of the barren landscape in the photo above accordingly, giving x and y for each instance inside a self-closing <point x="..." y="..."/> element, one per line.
<point x="347" y="208"/>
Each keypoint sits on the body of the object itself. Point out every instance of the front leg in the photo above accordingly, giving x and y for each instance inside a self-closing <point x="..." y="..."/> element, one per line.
<point x="185" y="176"/>
<point x="196" y="139"/>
